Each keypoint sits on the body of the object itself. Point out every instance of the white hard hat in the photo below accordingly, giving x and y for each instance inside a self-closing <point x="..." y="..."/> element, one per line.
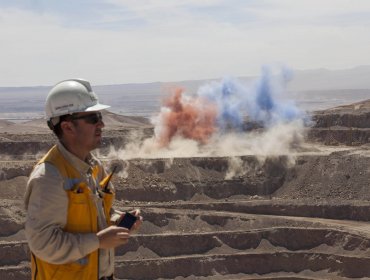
<point x="71" y="96"/>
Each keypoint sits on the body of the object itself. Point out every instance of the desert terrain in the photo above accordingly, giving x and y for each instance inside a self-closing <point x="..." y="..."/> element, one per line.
<point x="299" y="216"/>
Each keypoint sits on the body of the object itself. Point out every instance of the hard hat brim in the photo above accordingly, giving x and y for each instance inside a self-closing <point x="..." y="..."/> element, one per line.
<point x="97" y="107"/>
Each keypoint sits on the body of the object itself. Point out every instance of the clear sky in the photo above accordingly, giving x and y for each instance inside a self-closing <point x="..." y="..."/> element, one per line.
<point x="138" y="41"/>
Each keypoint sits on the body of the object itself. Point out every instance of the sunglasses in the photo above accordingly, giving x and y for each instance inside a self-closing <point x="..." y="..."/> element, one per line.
<point x="93" y="118"/>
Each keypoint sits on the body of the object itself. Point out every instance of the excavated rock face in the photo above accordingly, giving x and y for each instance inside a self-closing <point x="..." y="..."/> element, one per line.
<point x="348" y="125"/>
<point x="33" y="146"/>
<point x="358" y="120"/>
<point x="184" y="179"/>
<point x="16" y="169"/>
<point x="285" y="217"/>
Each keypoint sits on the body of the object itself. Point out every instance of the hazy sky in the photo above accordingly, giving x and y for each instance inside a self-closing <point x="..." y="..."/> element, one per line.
<point x="121" y="41"/>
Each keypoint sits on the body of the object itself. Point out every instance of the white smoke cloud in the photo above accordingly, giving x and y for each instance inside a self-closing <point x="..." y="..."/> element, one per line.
<point x="282" y="139"/>
<point x="235" y="168"/>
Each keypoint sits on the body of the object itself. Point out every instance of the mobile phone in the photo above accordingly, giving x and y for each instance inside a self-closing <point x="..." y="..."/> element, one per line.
<point x="127" y="221"/>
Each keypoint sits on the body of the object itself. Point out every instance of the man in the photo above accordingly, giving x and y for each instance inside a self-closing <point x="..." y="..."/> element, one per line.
<point x="68" y="225"/>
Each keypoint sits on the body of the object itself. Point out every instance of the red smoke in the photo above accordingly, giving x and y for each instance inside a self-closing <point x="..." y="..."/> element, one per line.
<point x="191" y="118"/>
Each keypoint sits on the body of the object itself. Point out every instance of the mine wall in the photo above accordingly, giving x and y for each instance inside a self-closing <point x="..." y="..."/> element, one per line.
<point x="342" y="119"/>
<point x="182" y="178"/>
<point x="339" y="136"/>
<point x="334" y="186"/>
<point x="324" y="209"/>
<point x="351" y="129"/>
<point x="339" y="175"/>
<point x="25" y="146"/>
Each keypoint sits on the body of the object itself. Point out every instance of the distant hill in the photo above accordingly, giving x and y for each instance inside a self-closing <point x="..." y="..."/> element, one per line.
<point x="111" y="120"/>
<point x="311" y="89"/>
<point x="324" y="79"/>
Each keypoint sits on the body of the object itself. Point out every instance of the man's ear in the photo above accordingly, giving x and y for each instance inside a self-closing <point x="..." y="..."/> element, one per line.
<point x="68" y="128"/>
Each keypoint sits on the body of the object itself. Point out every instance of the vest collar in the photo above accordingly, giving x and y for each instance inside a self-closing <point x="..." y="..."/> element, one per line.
<point x="82" y="166"/>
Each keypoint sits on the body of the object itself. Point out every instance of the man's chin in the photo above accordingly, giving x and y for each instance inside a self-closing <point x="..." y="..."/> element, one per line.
<point x="98" y="143"/>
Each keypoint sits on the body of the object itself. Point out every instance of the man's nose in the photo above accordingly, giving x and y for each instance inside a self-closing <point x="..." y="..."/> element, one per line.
<point x="100" y="124"/>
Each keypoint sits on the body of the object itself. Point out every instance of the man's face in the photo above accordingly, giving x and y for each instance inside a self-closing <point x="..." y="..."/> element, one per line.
<point x="88" y="130"/>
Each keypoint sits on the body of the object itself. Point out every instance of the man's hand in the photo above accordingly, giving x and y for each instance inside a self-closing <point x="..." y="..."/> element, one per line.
<point x="112" y="237"/>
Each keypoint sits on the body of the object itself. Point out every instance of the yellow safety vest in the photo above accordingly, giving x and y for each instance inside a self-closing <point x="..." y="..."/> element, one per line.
<point x="82" y="218"/>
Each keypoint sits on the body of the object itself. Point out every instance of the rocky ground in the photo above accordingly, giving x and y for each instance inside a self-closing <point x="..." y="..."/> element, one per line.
<point x="278" y="219"/>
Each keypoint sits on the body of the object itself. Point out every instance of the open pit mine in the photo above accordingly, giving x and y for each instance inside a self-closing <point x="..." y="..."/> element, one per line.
<point x="299" y="216"/>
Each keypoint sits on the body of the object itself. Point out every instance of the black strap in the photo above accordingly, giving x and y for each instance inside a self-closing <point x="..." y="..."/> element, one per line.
<point x="107" y="278"/>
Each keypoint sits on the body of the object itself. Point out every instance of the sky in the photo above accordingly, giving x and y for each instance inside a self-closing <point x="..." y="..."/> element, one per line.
<point x="141" y="41"/>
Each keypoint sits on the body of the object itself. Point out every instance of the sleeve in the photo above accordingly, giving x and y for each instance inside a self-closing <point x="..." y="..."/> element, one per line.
<point x="47" y="216"/>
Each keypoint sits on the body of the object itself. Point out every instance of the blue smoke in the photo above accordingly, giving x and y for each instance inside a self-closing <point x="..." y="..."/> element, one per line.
<point x="260" y="100"/>
<point x="227" y="97"/>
